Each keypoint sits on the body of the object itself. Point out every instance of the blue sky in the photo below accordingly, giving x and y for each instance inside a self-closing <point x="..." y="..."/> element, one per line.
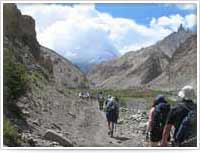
<point x="142" y="13"/>
<point x="103" y="30"/>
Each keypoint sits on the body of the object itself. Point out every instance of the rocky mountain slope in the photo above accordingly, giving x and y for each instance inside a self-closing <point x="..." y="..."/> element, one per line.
<point x="148" y="66"/>
<point x="182" y="69"/>
<point x="19" y="32"/>
<point x="38" y="102"/>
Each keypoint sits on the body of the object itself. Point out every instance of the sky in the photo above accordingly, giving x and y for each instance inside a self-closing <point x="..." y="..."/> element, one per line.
<point x="87" y="30"/>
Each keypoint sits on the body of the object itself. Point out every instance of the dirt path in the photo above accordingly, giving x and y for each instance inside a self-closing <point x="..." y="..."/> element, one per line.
<point x="128" y="133"/>
<point x="92" y="129"/>
<point x="81" y="122"/>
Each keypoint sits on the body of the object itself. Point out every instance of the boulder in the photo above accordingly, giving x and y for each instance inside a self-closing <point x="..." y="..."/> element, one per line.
<point x="53" y="136"/>
<point x="134" y="117"/>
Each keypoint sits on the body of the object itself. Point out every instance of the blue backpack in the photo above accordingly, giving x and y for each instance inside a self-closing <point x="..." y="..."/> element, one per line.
<point x="187" y="127"/>
<point x="111" y="106"/>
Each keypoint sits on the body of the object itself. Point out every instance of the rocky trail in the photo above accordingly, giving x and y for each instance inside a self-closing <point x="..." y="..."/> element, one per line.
<point x="89" y="127"/>
<point x="129" y="132"/>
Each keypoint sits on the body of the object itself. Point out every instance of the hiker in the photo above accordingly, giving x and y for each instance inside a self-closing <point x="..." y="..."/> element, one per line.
<point x="87" y="95"/>
<point x="157" y="118"/>
<point x="112" y="114"/>
<point x="100" y="99"/>
<point x="80" y="95"/>
<point x="183" y="118"/>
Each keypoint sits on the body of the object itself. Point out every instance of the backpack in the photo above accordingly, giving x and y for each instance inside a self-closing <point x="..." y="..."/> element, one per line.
<point x="160" y="116"/>
<point x="111" y="106"/>
<point x="188" y="126"/>
<point x="158" y="121"/>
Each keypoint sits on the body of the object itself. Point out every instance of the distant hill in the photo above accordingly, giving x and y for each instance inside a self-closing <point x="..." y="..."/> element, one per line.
<point x="148" y="67"/>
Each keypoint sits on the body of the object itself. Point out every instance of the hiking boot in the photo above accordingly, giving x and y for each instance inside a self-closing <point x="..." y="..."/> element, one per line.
<point x="111" y="133"/>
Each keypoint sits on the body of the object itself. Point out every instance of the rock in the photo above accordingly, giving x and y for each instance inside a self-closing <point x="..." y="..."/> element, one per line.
<point x="25" y="112"/>
<point x="142" y="125"/>
<point x="134" y="117"/>
<point x="37" y="122"/>
<point x="54" y="143"/>
<point x="144" y="113"/>
<point x="119" y="141"/>
<point x="55" y="126"/>
<point x="120" y="121"/>
<point x="123" y="109"/>
<point x="53" y="136"/>
<point x="31" y="142"/>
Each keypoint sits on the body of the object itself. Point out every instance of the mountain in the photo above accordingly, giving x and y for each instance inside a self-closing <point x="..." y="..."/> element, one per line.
<point x="93" y="57"/>
<point x="182" y="69"/>
<point x="19" y="33"/>
<point x="148" y="66"/>
<point x="41" y="107"/>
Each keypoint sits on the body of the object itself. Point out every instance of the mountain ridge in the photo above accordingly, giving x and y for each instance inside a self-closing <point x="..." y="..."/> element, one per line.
<point x="140" y="66"/>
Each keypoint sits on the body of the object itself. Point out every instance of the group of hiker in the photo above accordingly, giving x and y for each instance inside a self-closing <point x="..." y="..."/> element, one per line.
<point x="112" y="110"/>
<point x="162" y="117"/>
<point x="83" y="95"/>
<point x="182" y="118"/>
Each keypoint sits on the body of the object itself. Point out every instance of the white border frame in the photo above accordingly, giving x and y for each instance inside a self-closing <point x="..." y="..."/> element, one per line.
<point x="100" y="148"/>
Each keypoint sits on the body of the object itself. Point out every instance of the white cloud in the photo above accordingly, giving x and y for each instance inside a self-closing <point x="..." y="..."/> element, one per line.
<point x="80" y="32"/>
<point x="173" y="22"/>
<point x="187" y="6"/>
<point x="190" y="20"/>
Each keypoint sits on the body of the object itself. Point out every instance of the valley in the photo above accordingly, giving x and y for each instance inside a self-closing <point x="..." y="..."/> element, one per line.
<point x="42" y="107"/>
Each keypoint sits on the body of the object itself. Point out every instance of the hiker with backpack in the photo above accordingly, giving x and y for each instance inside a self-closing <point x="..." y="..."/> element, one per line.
<point x="183" y="118"/>
<point x="100" y="99"/>
<point x="112" y="114"/>
<point x="157" y="118"/>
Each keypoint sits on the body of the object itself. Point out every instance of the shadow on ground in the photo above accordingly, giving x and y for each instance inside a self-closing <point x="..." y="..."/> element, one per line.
<point x="121" y="138"/>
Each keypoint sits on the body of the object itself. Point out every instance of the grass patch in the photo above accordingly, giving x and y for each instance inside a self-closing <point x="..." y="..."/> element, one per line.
<point x="37" y="78"/>
<point x="134" y="93"/>
<point x="11" y="136"/>
<point x="126" y="95"/>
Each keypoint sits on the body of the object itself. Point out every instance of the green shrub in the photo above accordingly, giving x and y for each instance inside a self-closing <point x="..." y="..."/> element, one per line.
<point x="37" y="78"/>
<point x="11" y="137"/>
<point x="14" y="83"/>
<point x="15" y="76"/>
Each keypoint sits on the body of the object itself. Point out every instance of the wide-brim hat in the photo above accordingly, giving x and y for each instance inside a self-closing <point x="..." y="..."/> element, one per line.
<point x="187" y="93"/>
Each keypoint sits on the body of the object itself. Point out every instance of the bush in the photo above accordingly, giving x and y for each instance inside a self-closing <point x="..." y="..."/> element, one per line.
<point x="15" y="76"/>
<point x="14" y="81"/>
<point x="11" y="137"/>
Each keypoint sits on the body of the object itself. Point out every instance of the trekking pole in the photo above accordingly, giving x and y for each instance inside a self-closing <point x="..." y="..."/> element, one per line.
<point x="115" y="127"/>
